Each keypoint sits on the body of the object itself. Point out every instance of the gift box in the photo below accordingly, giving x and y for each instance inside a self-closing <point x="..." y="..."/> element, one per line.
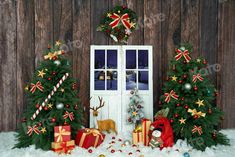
<point x="136" y="137"/>
<point x="89" y="138"/>
<point x="63" y="147"/>
<point x="62" y="133"/>
<point x="145" y="130"/>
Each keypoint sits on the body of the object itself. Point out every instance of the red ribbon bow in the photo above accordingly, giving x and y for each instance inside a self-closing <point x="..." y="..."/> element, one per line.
<point x="38" y="85"/>
<point x="116" y="19"/>
<point x="64" y="147"/>
<point x="198" y="76"/>
<point x="33" y="129"/>
<point x="70" y="115"/>
<point x="169" y="95"/>
<point x="197" y="129"/>
<point x="180" y="54"/>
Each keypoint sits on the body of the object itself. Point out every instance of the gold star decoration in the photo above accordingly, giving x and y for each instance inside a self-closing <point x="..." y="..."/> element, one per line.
<point x="109" y="14"/>
<point x="58" y="43"/>
<point x="198" y="60"/>
<point x="174" y="78"/>
<point x="182" y="121"/>
<point x="41" y="73"/>
<point x="200" y="103"/>
<point x="62" y="90"/>
<point x="43" y="130"/>
<point x="132" y="24"/>
<point x="50" y="105"/>
<point x="134" y="113"/>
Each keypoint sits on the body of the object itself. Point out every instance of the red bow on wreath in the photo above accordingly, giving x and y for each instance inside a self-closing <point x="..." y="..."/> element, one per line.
<point x="70" y="115"/>
<point x="169" y="95"/>
<point x="197" y="129"/>
<point x="38" y="85"/>
<point x="33" y="129"/>
<point x="185" y="53"/>
<point x="116" y="19"/>
<point x="198" y="76"/>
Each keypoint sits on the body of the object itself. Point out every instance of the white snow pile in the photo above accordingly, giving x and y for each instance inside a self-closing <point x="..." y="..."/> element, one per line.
<point x="7" y="141"/>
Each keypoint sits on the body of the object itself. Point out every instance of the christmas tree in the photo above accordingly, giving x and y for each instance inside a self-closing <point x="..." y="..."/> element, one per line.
<point x="190" y="96"/>
<point x="135" y="108"/>
<point x="52" y="101"/>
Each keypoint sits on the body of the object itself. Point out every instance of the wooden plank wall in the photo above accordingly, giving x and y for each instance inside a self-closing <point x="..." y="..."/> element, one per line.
<point x="26" y="27"/>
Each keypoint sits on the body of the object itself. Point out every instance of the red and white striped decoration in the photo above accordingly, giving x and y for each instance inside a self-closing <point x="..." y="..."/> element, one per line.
<point x="50" y="95"/>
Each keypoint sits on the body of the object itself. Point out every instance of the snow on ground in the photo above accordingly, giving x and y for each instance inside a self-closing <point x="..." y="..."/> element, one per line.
<point x="7" y="141"/>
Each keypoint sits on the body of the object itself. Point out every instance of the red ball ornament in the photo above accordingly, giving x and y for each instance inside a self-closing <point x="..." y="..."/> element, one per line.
<point x="178" y="105"/>
<point x="176" y="115"/>
<point x="216" y="93"/>
<point x="48" y="46"/>
<point x="137" y="150"/>
<point x="112" y="151"/>
<point x="186" y="106"/>
<point x="180" y="81"/>
<point x="171" y="120"/>
<point x="23" y="120"/>
<point x="37" y="105"/>
<point x="67" y="106"/>
<point x="113" y="138"/>
<point x="210" y="111"/>
<point x="53" y="120"/>
<point x="204" y="61"/>
<point x="214" y="135"/>
<point x="65" y="123"/>
<point x="185" y="76"/>
<point x="76" y="107"/>
<point x="49" y="78"/>
<point x="159" y="102"/>
<point x="39" y="124"/>
<point x="62" y="52"/>
<point x="130" y="153"/>
<point x="182" y="98"/>
<point x="184" y="61"/>
<point x="90" y="150"/>
<point x="55" y="58"/>
<point x="45" y="108"/>
<point x="195" y="116"/>
<point x="53" y="73"/>
<point x="195" y="88"/>
<point x="123" y="7"/>
<point x="167" y="78"/>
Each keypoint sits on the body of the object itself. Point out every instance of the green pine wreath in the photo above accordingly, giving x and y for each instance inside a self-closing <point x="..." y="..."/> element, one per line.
<point x="119" y="23"/>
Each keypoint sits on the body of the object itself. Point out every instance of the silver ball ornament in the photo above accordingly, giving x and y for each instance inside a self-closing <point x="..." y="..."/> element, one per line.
<point x="127" y="142"/>
<point x="187" y="86"/>
<point x="57" y="62"/>
<point x="186" y="154"/>
<point x="60" y="106"/>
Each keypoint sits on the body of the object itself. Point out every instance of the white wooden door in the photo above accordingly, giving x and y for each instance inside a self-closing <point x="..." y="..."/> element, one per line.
<point x="114" y="72"/>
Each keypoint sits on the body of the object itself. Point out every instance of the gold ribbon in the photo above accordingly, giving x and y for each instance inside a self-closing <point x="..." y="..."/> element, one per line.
<point x="62" y="132"/>
<point x="50" y="55"/>
<point x="195" y="112"/>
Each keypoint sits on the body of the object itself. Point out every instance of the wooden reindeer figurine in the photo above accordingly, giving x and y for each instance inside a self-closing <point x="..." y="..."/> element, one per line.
<point x="102" y="125"/>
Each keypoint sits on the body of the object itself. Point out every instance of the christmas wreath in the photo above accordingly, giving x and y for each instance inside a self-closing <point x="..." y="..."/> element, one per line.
<point x="119" y="23"/>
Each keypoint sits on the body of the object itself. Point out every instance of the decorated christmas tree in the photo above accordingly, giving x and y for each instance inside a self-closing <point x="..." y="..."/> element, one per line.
<point x="190" y="96"/>
<point x="135" y="113"/>
<point x="52" y="101"/>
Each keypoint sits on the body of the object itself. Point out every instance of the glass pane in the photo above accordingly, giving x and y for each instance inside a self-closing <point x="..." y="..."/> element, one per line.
<point x="112" y="59"/>
<point x="130" y="80"/>
<point x="99" y="80"/>
<point x="143" y="80"/>
<point x="130" y="59"/>
<point x="111" y="80"/>
<point x="99" y="59"/>
<point x="143" y="59"/>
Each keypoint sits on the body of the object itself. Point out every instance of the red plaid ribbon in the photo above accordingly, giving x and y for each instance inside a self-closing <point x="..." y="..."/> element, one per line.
<point x="184" y="53"/>
<point x="198" y="76"/>
<point x="33" y="129"/>
<point x="70" y="115"/>
<point x="38" y="85"/>
<point x="169" y="95"/>
<point x="197" y="129"/>
<point x="116" y="19"/>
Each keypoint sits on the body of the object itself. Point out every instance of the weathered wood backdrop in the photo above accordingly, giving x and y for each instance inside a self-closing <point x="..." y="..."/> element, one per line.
<point x="26" y="27"/>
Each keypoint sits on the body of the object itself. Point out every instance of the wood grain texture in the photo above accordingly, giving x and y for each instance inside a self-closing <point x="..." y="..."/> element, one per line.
<point x="26" y="27"/>
<point x="25" y="51"/>
<point x="81" y="51"/>
<point x="226" y="49"/>
<point x="8" y="66"/>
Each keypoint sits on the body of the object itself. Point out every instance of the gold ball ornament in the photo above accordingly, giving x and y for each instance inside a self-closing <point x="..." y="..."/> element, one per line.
<point x="141" y="155"/>
<point x="101" y="155"/>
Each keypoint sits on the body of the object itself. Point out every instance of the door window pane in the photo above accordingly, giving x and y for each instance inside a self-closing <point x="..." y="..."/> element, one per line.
<point x="111" y="80"/>
<point x="143" y="83"/>
<point x="130" y="80"/>
<point x="99" y="80"/>
<point x="112" y="59"/>
<point x="99" y="59"/>
<point x="143" y="59"/>
<point x="130" y="59"/>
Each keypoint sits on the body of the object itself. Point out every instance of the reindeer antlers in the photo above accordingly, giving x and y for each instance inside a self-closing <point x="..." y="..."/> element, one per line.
<point x="100" y="105"/>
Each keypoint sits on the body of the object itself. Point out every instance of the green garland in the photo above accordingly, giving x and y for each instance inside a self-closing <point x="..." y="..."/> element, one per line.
<point x="119" y="23"/>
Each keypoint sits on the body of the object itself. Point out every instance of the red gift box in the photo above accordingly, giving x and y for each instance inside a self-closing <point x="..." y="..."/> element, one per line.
<point x="89" y="138"/>
<point x="62" y="133"/>
<point x="145" y="131"/>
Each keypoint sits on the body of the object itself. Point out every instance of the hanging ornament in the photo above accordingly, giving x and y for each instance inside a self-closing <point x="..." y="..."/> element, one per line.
<point x="26" y="88"/>
<point x="195" y="116"/>
<point x="186" y="107"/>
<point x="176" y="115"/>
<point x="90" y="150"/>
<point x="53" y="73"/>
<point x="67" y="106"/>
<point x="185" y="76"/>
<point x="171" y="120"/>
<point x="119" y="23"/>
<point x="76" y="107"/>
<point x="112" y="151"/>
<point x="53" y="120"/>
<point x="49" y="78"/>
<point x="23" y="120"/>
<point x="186" y="154"/>
<point x="45" y="108"/>
<point x="187" y="86"/>
<point x="195" y="88"/>
<point x="180" y="81"/>
<point x="204" y="61"/>
<point x="214" y="135"/>
<point x="37" y="105"/>
<point x="49" y="46"/>
<point x="210" y="111"/>
<point x="60" y="106"/>
<point x="39" y="124"/>
<point x="182" y="98"/>
<point x="57" y="62"/>
<point x="178" y="104"/>
<point x="74" y="86"/>
<point x="65" y="123"/>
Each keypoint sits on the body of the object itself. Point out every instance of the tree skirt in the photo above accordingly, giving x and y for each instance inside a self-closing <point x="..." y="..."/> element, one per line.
<point x="7" y="141"/>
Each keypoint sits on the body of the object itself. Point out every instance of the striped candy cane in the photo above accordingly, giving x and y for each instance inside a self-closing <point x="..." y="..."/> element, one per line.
<point x="50" y="95"/>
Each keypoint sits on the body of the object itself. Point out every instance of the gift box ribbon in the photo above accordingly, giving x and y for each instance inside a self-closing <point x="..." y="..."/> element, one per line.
<point x="62" y="132"/>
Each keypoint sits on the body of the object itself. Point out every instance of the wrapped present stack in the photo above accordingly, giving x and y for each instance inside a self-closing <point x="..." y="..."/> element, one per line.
<point x="62" y="140"/>
<point x="89" y="138"/>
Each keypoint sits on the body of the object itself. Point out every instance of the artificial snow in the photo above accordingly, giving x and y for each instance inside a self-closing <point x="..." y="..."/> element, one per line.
<point x="7" y="141"/>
